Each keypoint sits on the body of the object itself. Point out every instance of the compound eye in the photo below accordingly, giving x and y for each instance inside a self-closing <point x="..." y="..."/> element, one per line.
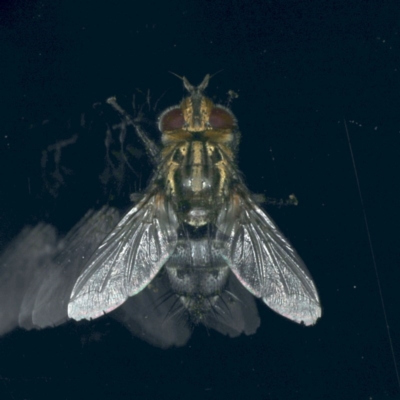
<point x="221" y="118"/>
<point x="171" y="120"/>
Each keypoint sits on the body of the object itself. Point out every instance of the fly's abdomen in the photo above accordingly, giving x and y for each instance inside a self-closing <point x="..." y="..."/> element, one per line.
<point x="198" y="274"/>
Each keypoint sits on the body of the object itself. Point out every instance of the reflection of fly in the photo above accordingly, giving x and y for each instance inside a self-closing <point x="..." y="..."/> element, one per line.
<point x="198" y="220"/>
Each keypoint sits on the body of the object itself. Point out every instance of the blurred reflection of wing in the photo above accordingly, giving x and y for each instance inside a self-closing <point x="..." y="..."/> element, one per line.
<point x="236" y="311"/>
<point x="127" y="260"/>
<point x="265" y="263"/>
<point x="37" y="271"/>
<point x="151" y="316"/>
<point x="33" y="247"/>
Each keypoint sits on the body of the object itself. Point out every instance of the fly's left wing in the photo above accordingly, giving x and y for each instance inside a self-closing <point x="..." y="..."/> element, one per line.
<point x="127" y="260"/>
<point x="265" y="262"/>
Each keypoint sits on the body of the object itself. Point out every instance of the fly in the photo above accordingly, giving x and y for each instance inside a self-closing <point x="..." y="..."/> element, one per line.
<point x="199" y="226"/>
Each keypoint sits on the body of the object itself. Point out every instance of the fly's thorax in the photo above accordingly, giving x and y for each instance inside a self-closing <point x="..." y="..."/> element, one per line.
<point x="197" y="174"/>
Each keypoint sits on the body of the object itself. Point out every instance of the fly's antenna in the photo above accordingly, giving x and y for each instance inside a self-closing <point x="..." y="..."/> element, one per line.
<point x="194" y="89"/>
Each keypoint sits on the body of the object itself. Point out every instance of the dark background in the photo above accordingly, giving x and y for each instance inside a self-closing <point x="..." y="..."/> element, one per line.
<point x="301" y="68"/>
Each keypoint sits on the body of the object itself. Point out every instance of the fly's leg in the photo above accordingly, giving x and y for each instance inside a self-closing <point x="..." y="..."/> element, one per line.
<point x="151" y="147"/>
<point x="290" y="201"/>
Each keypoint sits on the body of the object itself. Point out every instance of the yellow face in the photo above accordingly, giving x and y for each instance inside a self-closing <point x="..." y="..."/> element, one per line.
<point x="197" y="116"/>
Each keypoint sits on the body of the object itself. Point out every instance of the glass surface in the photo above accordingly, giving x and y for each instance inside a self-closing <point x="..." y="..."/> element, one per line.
<point x="292" y="73"/>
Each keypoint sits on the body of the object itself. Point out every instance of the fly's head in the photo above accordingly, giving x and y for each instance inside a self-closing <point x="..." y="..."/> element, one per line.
<point x="198" y="118"/>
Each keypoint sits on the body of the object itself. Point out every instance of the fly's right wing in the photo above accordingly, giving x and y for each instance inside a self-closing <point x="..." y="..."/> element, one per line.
<point x="265" y="262"/>
<point x="127" y="260"/>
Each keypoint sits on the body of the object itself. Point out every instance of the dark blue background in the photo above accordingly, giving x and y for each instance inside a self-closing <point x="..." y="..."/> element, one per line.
<point x="300" y="68"/>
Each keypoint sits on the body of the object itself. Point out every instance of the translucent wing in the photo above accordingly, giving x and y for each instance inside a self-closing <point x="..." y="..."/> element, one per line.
<point x="265" y="262"/>
<point x="127" y="260"/>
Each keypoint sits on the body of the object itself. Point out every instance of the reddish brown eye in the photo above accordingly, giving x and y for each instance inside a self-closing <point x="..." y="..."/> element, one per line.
<point x="171" y="120"/>
<point x="220" y="118"/>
